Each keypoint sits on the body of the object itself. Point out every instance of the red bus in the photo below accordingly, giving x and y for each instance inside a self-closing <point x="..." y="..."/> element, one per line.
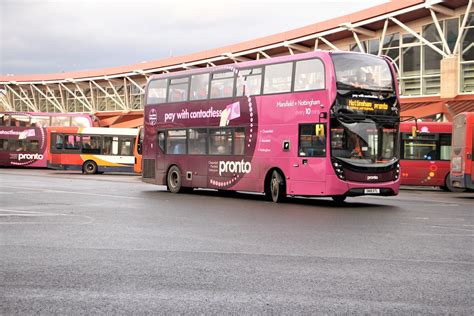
<point x="312" y="124"/>
<point x="462" y="165"/>
<point x="425" y="158"/>
<point x="23" y="136"/>
<point x="92" y="150"/>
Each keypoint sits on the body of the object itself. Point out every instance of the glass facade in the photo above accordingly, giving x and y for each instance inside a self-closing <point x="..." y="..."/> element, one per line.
<point x="419" y="63"/>
<point x="467" y="57"/>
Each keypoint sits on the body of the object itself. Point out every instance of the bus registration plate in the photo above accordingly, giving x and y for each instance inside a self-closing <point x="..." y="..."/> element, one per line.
<point x="371" y="191"/>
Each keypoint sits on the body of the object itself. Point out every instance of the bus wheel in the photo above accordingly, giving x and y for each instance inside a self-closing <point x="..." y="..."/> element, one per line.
<point x="89" y="167"/>
<point x="276" y="189"/>
<point x="227" y="192"/>
<point x="339" y="198"/>
<point x="174" y="180"/>
<point x="448" y="186"/>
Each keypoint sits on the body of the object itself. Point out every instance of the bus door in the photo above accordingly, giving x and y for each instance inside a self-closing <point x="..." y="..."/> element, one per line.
<point x="160" y="153"/>
<point x="197" y="163"/>
<point x="137" y="151"/>
<point x="309" y="160"/>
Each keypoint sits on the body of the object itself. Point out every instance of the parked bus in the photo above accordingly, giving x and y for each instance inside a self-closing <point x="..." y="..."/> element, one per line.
<point x="462" y="165"/>
<point x="92" y="150"/>
<point x="23" y="136"/>
<point x="137" y="151"/>
<point x="425" y="155"/>
<point x="312" y="124"/>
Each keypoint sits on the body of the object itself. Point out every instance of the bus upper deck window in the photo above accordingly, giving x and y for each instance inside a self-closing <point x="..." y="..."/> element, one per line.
<point x="222" y="85"/>
<point x="278" y="78"/>
<point x="157" y="91"/>
<point x="309" y="75"/>
<point x="252" y="84"/>
<point x="199" y="87"/>
<point x="178" y="90"/>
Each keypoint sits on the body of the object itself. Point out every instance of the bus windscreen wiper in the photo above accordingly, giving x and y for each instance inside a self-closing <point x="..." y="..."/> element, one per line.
<point x="343" y="85"/>
<point x="350" y="118"/>
<point x="382" y="118"/>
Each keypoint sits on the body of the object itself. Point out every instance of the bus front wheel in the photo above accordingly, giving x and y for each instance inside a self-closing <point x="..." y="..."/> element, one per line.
<point x="89" y="167"/>
<point x="339" y="198"/>
<point x="174" y="180"/>
<point x="276" y="188"/>
<point x="448" y="186"/>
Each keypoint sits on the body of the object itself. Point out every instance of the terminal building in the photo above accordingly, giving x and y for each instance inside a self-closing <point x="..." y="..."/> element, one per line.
<point x="431" y="41"/>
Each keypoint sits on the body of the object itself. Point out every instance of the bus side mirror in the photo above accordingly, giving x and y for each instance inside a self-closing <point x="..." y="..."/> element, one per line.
<point x="413" y="131"/>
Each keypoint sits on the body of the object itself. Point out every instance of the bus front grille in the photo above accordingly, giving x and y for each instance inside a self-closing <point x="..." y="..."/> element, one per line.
<point x="149" y="168"/>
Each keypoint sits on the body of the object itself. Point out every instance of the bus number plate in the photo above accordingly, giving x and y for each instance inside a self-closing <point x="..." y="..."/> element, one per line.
<point x="371" y="191"/>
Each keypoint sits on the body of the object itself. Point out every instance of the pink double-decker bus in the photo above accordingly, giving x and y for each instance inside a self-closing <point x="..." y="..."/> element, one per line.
<point x="23" y="136"/>
<point x="312" y="124"/>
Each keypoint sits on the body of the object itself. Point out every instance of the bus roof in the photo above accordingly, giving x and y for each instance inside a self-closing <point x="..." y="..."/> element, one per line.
<point x="45" y="114"/>
<point x="431" y="127"/>
<point x="96" y="130"/>
<point x="255" y="63"/>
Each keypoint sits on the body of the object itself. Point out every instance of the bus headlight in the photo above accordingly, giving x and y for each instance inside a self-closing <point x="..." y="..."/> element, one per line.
<point x="339" y="170"/>
<point x="396" y="173"/>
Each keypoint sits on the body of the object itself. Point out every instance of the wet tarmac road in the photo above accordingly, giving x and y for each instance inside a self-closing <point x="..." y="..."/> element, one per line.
<point x="74" y="244"/>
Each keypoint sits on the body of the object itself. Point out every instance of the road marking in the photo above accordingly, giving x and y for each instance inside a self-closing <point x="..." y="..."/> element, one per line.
<point x="450" y="227"/>
<point x="73" y="192"/>
<point x="6" y="212"/>
<point x="17" y="213"/>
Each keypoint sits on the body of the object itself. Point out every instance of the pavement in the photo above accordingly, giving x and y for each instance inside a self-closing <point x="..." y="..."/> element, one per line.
<point x="111" y="244"/>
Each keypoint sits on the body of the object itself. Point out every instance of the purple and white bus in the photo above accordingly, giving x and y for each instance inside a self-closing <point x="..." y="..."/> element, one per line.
<point x="23" y="139"/>
<point x="313" y="124"/>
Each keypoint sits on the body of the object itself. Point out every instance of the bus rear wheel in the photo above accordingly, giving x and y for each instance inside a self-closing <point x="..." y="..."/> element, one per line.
<point x="89" y="167"/>
<point x="276" y="187"/>
<point x="174" y="180"/>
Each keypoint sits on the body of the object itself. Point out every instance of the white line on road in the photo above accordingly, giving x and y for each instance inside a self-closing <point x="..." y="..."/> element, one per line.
<point x="73" y="192"/>
<point x="18" y="213"/>
<point x="450" y="227"/>
<point x="25" y="213"/>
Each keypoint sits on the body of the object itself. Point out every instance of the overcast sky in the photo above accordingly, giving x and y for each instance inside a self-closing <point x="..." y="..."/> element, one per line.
<point x="45" y="36"/>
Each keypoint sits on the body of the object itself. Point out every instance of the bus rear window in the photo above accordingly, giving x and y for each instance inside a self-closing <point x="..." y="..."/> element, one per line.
<point x="157" y="91"/>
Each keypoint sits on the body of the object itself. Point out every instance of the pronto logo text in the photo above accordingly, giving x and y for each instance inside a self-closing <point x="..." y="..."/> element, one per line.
<point x="30" y="157"/>
<point x="234" y="166"/>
